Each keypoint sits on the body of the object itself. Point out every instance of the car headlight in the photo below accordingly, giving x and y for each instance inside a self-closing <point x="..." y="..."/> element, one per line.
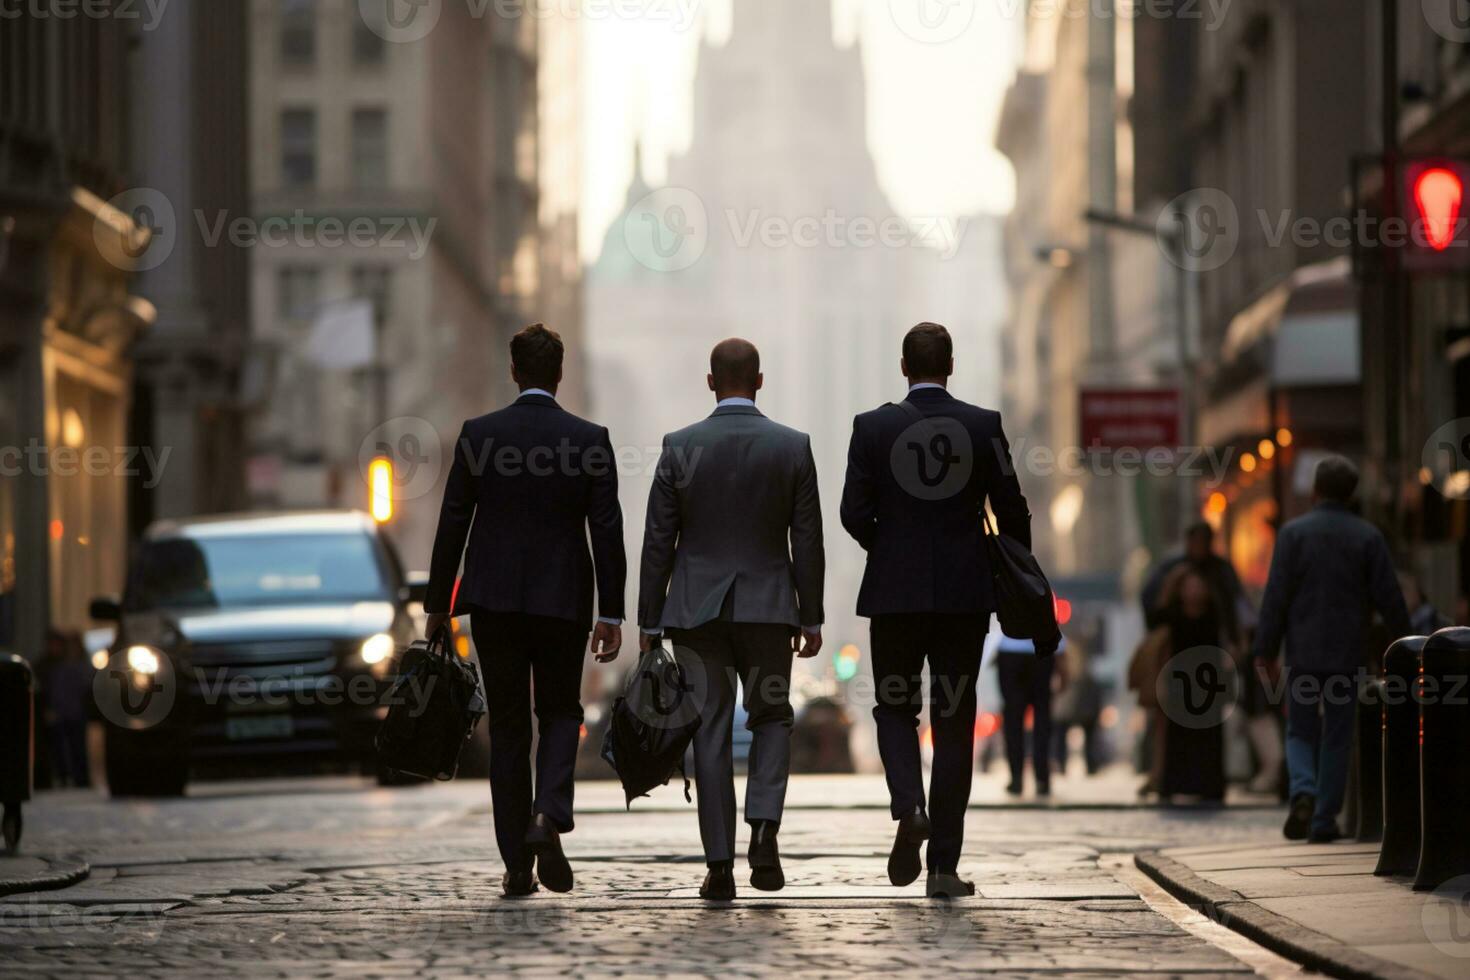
<point x="143" y="660"/>
<point x="377" y="649"/>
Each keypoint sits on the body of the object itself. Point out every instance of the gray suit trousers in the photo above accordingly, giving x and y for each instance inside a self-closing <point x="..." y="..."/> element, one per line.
<point x="758" y="655"/>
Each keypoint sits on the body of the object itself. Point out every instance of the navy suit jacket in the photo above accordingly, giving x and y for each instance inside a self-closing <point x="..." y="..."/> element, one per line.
<point x="529" y="485"/>
<point x="913" y="499"/>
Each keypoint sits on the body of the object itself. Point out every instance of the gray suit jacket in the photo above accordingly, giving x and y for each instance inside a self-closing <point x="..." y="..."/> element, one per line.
<point x="733" y="514"/>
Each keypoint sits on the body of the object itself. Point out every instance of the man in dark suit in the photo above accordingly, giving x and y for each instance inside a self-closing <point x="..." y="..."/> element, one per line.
<point x="732" y="572"/>
<point x="528" y="486"/>
<point x="919" y="475"/>
<point x="1329" y="571"/>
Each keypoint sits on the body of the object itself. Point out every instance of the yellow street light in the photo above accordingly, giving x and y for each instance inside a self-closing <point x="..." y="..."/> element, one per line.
<point x="380" y="489"/>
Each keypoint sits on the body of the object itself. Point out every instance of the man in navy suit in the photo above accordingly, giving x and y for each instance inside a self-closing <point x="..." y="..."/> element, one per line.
<point x="919" y="475"/>
<point x="529" y="485"/>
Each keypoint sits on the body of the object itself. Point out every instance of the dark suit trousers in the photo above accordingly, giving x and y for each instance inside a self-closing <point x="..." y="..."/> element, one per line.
<point x="518" y="651"/>
<point x="758" y="655"/>
<point x="1025" y="681"/>
<point x="953" y="645"/>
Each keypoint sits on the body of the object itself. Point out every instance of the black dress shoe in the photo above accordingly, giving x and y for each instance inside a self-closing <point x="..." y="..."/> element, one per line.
<point x="903" y="861"/>
<point x="1014" y="788"/>
<point x="1324" y="835"/>
<point x="1299" y="819"/>
<point x="719" y="882"/>
<point x="765" y="857"/>
<point x="551" y="862"/>
<point x="516" y="884"/>
<point x="943" y="884"/>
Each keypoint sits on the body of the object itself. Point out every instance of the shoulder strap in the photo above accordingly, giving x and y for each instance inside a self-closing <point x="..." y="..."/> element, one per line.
<point x="910" y="409"/>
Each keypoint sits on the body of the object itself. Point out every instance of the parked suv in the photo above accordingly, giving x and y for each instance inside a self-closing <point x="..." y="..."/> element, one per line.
<point x="249" y="642"/>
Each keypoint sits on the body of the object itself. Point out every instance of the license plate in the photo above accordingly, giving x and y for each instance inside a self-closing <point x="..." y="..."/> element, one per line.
<point x="266" y="726"/>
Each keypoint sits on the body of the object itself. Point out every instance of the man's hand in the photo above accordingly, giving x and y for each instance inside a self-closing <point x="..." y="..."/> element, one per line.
<point x="807" y="643"/>
<point x="647" y="641"/>
<point x="607" y="640"/>
<point x="434" y="622"/>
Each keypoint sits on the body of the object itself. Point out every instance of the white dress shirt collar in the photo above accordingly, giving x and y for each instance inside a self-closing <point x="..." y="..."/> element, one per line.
<point x="733" y="402"/>
<point x="536" y="391"/>
<point x="925" y="384"/>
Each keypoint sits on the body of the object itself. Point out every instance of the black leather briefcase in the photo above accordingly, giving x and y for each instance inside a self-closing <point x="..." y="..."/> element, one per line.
<point x="434" y="705"/>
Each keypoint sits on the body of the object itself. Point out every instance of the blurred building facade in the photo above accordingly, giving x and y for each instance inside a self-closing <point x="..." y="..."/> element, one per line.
<point x="433" y="141"/>
<point x="779" y="141"/>
<point x="68" y="321"/>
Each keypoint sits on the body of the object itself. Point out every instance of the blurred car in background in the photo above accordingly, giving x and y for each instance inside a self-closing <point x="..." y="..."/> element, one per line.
<point x="250" y="645"/>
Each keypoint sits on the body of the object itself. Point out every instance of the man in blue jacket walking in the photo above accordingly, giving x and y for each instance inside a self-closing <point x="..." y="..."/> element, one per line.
<point x="1330" y="569"/>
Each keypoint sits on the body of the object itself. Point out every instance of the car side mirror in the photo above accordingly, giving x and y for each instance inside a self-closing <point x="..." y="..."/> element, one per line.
<point x="105" y="609"/>
<point x="416" y="587"/>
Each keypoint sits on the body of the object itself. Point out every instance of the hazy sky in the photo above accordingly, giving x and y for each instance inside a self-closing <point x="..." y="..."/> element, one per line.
<point x="932" y="102"/>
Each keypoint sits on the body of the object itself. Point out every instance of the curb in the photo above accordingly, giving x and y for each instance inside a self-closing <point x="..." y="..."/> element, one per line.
<point x="1277" y="933"/>
<point x="58" y="873"/>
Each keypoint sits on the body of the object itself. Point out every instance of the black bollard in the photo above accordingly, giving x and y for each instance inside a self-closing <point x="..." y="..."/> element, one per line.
<point x="1370" y="762"/>
<point x="1399" y="854"/>
<point x="17" y="745"/>
<point x="1444" y="761"/>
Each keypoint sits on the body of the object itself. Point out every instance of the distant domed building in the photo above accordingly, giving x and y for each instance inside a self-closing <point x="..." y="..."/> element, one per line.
<point x="792" y="211"/>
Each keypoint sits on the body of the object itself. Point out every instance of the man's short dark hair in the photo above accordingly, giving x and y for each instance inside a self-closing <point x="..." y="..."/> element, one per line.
<point x="1336" y="479"/>
<point x="735" y="365"/>
<point x="1200" y="529"/>
<point x="536" y="355"/>
<point x="927" y="351"/>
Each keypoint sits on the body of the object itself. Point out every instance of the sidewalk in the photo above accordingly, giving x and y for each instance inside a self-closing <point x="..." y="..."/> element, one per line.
<point x="31" y="874"/>
<point x="1320" y="904"/>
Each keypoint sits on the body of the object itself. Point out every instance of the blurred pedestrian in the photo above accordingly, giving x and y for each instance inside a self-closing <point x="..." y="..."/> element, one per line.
<point x="1026" y="686"/>
<point x="1078" y="704"/>
<point x="1189" y="746"/>
<point x="1199" y="553"/>
<point x="64" y="676"/>
<point x="1329" y="570"/>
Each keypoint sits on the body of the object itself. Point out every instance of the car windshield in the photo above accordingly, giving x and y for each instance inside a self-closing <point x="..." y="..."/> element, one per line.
<point x="204" y="573"/>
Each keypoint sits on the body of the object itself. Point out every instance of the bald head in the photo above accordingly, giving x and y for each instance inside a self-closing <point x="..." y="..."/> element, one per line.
<point x="735" y="369"/>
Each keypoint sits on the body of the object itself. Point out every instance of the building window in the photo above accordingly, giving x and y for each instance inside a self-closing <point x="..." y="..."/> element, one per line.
<point x="298" y="147"/>
<point x="369" y="148"/>
<point x="297" y="291"/>
<point x="368" y="47"/>
<point x="298" y="32"/>
<point x="374" y="283"/>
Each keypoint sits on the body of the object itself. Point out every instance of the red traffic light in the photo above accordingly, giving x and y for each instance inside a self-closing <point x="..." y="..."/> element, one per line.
<point x="1438" y="193"/>
<point x="1063" y="610"/>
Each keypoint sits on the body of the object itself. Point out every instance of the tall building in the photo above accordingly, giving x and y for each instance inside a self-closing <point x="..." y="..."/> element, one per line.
<point x="189" y="152"/>
<point x="560" y="290"/>
<point x="68" y="321"/>
<point x="784" y="212"/>
<point x="426" y="139"/>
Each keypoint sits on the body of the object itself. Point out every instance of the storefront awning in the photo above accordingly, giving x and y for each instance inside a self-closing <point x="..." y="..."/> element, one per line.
<point x="1306" y="326"/>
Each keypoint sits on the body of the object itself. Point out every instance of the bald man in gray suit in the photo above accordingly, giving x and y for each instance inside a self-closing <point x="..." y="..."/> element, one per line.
<point x="732" y="574"/>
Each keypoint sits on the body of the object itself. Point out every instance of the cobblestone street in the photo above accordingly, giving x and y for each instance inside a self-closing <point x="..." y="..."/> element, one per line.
<point x="329" y="877"/>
